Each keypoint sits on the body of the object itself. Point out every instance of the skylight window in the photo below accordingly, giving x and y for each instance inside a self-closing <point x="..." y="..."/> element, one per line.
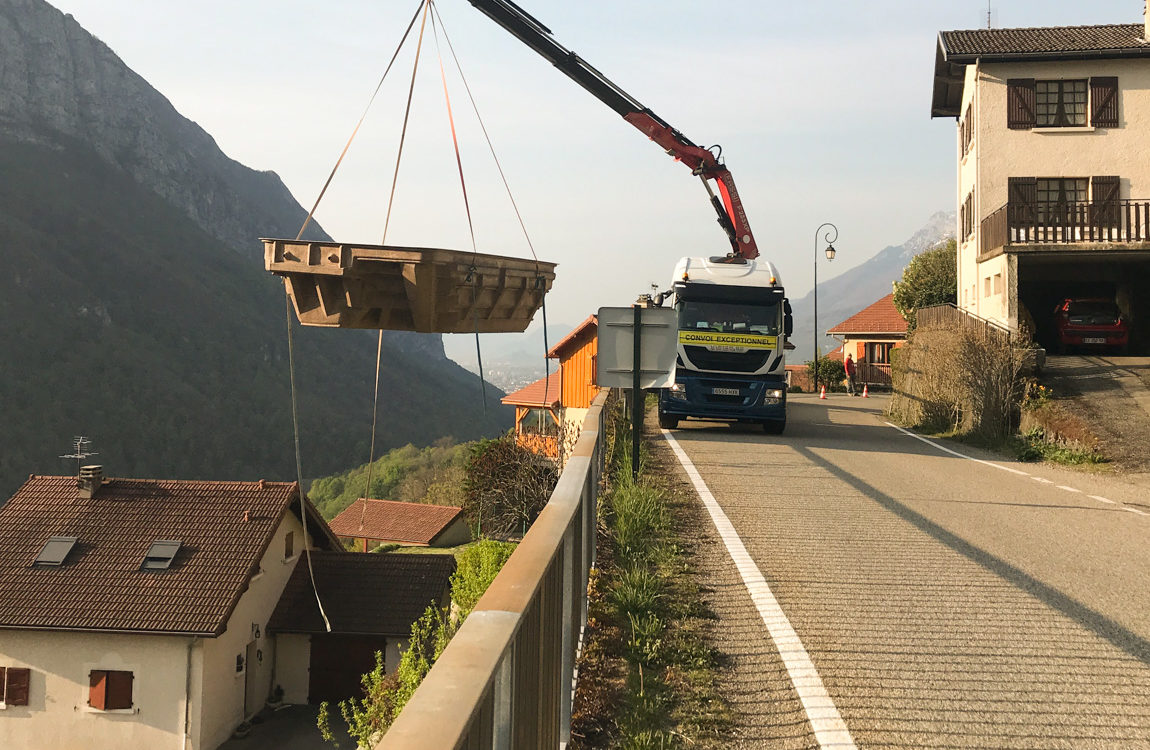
<point x="55" y="550"/>
<point x="160" y="554"/>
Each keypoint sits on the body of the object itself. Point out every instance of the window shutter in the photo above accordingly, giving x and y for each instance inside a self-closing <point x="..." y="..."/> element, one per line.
<point x="119" y="692"/>
<point x="1020" y="103"/>
<point x="97" y="688"/>
<point x="1104" y="193"/>
<point x="1022" y="195"/>
<point x="1104" y="102"/>
<point x="17" y="681"/>
<point x="2" y="680"/>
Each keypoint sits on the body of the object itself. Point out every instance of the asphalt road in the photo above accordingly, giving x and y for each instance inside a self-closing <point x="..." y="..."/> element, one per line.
<point x="943" y="602"/>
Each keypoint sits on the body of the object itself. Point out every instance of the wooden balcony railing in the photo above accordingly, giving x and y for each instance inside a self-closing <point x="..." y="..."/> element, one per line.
<point x="873" y="373"/>
<point x="1111" y="222"/>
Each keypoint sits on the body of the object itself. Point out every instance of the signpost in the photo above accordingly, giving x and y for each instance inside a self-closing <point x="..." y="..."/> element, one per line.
<point x="637" y="350"/>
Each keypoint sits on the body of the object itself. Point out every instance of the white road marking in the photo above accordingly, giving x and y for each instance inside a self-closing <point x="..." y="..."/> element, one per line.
<point x="1135" y="510"/>
<point x="1040" y="479"/>
<point x="944" y="449"/>
<point x="1068" y="489"/>
<point x="1101" y="499"/>
<point x="829" y="728"/>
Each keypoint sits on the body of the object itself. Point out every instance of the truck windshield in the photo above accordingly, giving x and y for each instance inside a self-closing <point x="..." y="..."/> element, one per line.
<point x="726" y="317"/>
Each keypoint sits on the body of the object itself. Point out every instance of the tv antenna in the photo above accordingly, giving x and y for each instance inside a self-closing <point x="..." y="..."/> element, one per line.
<point x="989" y="15"/>
<point x="80" y="451"/>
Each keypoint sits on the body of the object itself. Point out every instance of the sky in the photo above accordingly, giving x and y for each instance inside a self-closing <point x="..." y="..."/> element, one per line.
<point x="821" y="108"/>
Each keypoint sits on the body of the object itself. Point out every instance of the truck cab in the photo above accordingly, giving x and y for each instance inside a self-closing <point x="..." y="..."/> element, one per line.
<point x="734" y="318"/>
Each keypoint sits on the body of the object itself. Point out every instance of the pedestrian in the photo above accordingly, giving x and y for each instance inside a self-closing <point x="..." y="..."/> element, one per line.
<point x="849" y="366"/>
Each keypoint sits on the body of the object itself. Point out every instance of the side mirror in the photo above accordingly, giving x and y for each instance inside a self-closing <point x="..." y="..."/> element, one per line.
<point x="788" y="319"/>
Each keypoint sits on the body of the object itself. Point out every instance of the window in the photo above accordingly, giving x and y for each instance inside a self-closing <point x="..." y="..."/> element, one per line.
<point x="967" y="129"/>
<point x="538" y="422"/>
<point x="878" y="354"/>
<point x="109" y="690"/>
<point x="55" y="551"/>
<point x="998" y="283"/>
<point x="986" y="287"/>
<point x="1060" y="104"/>
<point x="289" y="545"/>
<point x="1061" y="199"/>
<point x="160" y="555"/>
<point x="966" y="215"/>
<point x="14" y="686"/>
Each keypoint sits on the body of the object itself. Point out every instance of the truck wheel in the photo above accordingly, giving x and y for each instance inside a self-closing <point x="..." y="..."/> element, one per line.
<point x="774" y="426"/>
<point x="667" y="422"/>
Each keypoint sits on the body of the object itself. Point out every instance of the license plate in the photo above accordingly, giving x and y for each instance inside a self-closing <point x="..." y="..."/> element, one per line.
<point x="725" y="391"/>
<point x="731" y="349"/>
<point x="1093" y="341"/>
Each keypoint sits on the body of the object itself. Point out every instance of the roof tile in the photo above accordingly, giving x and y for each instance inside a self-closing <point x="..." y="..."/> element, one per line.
<point x="880" y="317"/>
<point x="390" y="520"/>
<point x="535" y="395"/>
<point x="1059" y="40"/>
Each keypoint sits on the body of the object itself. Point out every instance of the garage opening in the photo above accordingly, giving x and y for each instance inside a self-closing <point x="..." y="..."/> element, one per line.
<point x="1045" y="282"/>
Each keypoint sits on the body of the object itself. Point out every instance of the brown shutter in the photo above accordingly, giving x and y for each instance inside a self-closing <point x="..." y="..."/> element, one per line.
<point x="1020" y="104"/>
<point x="1022" y="195"/>
<point x="1104" y="102"/>
<point x="2" y="678"/>
<point x="1104" y="195"/>
<point x="97" y="688"/>
<point x="18" y="679"/>
<point x="119" y="693"/>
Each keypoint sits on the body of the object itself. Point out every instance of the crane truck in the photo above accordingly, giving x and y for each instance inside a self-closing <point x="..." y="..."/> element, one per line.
<point x="733" y="313"/>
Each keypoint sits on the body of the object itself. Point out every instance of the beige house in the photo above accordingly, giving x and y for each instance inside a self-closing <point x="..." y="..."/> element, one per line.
<point x="1052" y="144"/>
<point x="135" y="610"/>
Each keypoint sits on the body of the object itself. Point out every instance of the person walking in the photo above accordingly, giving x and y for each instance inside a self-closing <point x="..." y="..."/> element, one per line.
<point x="849" y="366"/>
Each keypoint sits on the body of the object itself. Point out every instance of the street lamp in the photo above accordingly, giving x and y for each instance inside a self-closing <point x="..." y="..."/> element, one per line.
<point x="830" y="240"/>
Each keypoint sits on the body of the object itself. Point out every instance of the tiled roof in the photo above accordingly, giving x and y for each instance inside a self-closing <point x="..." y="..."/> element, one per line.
<point x="416" y="523"/>
<point x="100" y="585"/>
<point x="590" y="324"/>
<point x="1062" y="41"/>
<point x="362" y="593"/>
<point x="533" y="395"/>
<point x="878" y="318"/>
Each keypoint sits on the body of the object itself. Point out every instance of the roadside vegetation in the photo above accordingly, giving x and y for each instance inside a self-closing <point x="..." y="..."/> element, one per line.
<point x="384" y="695"/>
<point x="647" y="676"/>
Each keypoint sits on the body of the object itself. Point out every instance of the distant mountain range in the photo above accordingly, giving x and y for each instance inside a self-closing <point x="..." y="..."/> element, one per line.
<point x="134" y="303"/>
<point x="844" y="295"/>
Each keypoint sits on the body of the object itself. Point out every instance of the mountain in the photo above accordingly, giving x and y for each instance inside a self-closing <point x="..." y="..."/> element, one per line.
<point x="846" y="294"/>
<point x="135" y="306"/>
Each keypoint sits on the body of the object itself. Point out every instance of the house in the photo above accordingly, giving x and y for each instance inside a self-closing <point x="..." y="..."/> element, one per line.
<point x="315" y="664"/>
<point x="538" y="417"/>
<point x="869" y="336"/>
<point x="370" y="523"/>
<point x="133" y="612"/>
<point x="1051" y="139"/>
<point x="578" y="355"/>
<point x="161" y="614"/>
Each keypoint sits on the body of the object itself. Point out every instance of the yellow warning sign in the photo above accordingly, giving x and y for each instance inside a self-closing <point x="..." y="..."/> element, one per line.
<point x="739" y="340"/>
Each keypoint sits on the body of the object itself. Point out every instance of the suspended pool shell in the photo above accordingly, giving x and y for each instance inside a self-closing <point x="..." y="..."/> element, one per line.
<point x="428" y="290"/>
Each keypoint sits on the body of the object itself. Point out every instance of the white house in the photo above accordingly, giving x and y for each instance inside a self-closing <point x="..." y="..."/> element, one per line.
<point x="134" y="611"/>
<point x="1052" y="144"/>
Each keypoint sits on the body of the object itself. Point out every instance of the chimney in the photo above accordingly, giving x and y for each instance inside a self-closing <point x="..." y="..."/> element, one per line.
<point x="91" y="477"/>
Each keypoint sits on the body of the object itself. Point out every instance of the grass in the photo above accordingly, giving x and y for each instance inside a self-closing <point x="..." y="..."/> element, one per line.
<point x="1034" y="446"/>
<point x="647" y="676"/>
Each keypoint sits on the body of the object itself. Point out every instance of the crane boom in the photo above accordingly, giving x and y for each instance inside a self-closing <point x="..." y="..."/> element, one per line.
<point x="701" y="161"/>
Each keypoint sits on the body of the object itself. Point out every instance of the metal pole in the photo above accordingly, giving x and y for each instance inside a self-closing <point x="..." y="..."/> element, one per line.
<point x="829" y="240"/>
<point x="636" y="398"/>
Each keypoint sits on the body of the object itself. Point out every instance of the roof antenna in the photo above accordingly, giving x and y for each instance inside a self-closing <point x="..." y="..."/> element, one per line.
<point x="989" y="24"/>
<point x="80" y="452"/>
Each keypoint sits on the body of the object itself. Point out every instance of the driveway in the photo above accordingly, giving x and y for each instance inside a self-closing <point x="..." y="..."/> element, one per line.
<point x="290" y="728"/>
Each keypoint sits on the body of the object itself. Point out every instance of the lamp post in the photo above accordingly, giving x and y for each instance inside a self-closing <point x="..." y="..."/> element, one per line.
<point x="830" y="240"/>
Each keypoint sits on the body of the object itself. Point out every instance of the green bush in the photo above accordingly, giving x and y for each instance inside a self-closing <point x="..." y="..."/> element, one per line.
<point x="831" y="373"/>
<point x="476" y="568"/>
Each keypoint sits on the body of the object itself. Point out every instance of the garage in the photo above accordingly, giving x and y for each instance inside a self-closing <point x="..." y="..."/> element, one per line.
<point x="1046" y="279"/>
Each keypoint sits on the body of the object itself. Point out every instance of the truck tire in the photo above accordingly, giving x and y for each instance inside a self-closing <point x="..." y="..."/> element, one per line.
<point x="667" y="422"/>
<point x="774" y="426"/>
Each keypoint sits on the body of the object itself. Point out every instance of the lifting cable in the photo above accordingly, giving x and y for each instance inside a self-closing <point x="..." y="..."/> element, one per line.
<point x="539" y="282"/>
<point x="425" y="4"/>
<point x="290" y="337"/>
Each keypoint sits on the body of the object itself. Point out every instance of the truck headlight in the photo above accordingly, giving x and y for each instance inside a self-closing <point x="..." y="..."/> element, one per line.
<point x="678" y="391"/>
<point x="773" y="395"/>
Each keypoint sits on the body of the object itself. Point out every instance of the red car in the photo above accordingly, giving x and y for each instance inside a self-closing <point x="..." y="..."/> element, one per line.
<point x="1091" y="322"/>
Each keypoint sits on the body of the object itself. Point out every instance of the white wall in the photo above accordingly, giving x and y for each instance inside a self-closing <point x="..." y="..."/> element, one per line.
<point x="293" y="658"/>
<point x="57" y="716"/>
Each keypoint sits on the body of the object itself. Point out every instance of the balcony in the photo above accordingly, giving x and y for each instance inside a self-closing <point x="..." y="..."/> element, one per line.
<point x="1111" y="226"/>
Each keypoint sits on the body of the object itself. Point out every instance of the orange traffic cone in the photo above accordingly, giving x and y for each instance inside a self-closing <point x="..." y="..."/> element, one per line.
<point x="864" y="391"/>
<point x="822" y="391"/>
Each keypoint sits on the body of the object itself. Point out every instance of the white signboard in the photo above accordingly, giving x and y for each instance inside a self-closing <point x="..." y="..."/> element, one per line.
<point x="658" y="343"/>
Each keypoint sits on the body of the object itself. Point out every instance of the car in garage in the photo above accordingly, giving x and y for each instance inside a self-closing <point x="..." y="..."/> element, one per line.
<point x="1090" y="323"/>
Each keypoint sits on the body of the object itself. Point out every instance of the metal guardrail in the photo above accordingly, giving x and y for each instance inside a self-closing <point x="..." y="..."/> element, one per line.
<point x="507" y="677"/>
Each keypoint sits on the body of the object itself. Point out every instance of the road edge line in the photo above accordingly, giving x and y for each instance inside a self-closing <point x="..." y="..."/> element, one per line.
<point x="944" y="449"/>
<point x="826" y="723"/>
